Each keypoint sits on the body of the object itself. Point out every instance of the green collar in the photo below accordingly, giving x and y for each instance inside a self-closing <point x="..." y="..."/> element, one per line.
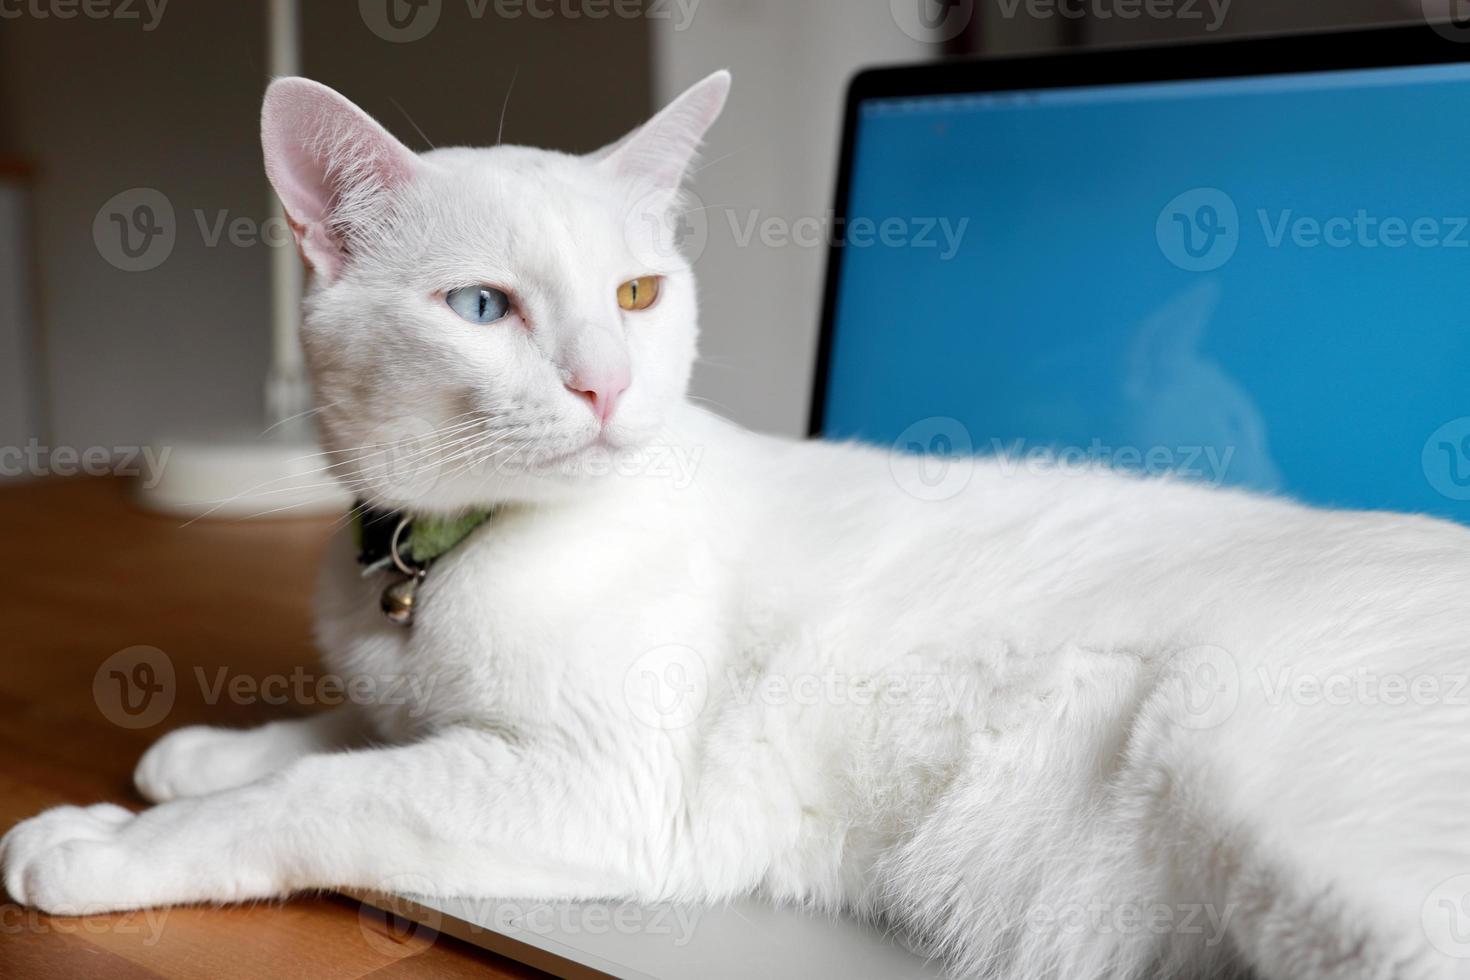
<point x="406" y="545"/>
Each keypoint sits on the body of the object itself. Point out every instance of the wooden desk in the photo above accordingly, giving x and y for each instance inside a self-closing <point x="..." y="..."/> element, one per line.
<point x="85" y="574"/>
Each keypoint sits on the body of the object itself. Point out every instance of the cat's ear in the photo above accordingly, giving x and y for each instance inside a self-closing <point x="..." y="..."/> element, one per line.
<point x="331" y="164"/>
<point x="658" y="154"/>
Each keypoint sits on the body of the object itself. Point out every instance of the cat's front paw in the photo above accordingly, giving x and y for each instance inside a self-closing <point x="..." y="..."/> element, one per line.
<point x="58" y="861"/>
<point x="198" y="760"/>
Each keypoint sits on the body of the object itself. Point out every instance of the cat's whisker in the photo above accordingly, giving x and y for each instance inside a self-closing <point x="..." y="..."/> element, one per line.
<point x="694" y="171"/>
<point x="422" y="135"/>
<point x="270" y="487"/>
<point x="292" y="418"/>
<point x="505" y="105"/>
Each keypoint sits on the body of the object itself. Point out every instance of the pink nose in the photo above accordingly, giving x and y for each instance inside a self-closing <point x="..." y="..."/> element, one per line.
<point x="601" y="391"/>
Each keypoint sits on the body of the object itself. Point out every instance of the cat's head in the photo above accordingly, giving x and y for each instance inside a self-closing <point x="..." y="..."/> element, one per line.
<point x="487" y="324"/>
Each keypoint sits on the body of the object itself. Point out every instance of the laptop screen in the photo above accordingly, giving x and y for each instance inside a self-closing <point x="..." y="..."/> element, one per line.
<point x="1259" y="282"/>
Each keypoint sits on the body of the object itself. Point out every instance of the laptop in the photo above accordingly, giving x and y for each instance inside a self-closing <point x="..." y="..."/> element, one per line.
<point x="1242" y="262"/>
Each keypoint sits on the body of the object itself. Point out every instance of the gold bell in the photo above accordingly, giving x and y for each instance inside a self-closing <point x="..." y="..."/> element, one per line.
<point x="397" y="601"/>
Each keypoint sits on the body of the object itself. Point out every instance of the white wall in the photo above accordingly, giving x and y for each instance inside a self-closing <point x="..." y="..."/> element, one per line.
<point x="772" y="156"/>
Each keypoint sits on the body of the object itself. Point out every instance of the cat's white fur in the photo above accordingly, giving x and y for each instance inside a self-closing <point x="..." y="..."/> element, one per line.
<point x="1038" y="725"/>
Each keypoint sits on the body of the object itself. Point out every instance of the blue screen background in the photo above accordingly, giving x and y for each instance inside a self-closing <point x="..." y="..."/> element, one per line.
<point x="1073" y="317"/>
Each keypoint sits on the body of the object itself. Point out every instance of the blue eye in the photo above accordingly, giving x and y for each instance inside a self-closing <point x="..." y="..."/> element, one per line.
<point x="478" y="304"/>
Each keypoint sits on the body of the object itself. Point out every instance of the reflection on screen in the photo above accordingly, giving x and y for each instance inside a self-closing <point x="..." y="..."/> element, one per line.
<point x="1254" y="282"/>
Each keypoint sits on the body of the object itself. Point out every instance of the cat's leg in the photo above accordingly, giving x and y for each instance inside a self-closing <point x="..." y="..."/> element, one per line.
<point x="1330" y="818"/>
<point x="462" y="812"/>
<point x="1291" y="927"/>
<point x="202" y="759"/>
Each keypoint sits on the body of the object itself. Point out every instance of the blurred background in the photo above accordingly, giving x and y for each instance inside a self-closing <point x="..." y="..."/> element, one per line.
<point x="106" y="346"/>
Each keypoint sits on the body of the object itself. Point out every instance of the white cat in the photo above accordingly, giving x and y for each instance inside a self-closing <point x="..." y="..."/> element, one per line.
<point x="1047" y="724"/>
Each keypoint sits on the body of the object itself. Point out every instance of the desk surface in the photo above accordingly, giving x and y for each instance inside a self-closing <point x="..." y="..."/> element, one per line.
<point x="87" y="574"/>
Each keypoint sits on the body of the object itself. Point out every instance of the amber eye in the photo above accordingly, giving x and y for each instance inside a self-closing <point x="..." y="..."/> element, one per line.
<point x="638" y="294"/>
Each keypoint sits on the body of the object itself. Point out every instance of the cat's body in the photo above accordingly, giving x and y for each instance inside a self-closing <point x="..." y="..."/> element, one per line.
<point x="1048" y="723"/>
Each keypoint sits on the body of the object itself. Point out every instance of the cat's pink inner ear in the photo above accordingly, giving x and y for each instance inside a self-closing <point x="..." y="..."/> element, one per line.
<point x="331" y="165"/>
<point x="659" y="153"/>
